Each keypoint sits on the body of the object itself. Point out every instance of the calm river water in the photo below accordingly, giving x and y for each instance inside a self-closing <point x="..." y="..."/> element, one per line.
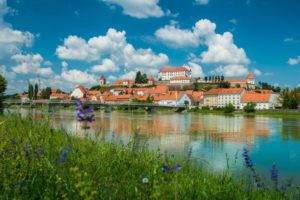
<point x="210" y="138"/>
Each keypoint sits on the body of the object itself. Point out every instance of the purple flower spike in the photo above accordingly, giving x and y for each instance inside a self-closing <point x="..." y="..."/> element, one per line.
<point x="165" y="168"/>
<point x="274" y="174"/>
<point x="177" y="167"/>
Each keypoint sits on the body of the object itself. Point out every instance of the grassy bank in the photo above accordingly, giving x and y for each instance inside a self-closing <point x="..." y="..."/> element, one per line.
<point x="39" y="162"/>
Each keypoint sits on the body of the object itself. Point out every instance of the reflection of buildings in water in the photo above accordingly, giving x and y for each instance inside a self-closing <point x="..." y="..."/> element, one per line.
<point x="236" y="129"/>
<point x="173" y="144"/>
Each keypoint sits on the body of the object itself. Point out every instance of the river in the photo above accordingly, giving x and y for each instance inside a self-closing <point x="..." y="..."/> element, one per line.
<point x="211" y="139"/>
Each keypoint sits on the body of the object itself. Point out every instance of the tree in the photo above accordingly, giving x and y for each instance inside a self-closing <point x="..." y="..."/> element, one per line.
<point x="250" y="107"/>
<point x="30" y="91"/>
<point x="3" y="85"/>
<point x="289" y="99"/>
<point x="186" y="103"/>
<point x="46" y="92"/>
<point x="222" y="78"/>
<point x="196" y="86"/>
<point x="36" y="90"/>
<point x="205" y="78"/>
<point x="237" y="85"/>
<point x="229" y="108"/>
<point x="141" y="78"/>
<point x="224" y="85"/>
<point x="209" y="78"/>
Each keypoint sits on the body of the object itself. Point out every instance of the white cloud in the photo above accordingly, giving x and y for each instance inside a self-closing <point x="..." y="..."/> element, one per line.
<point x="75" y="76"/>
<point x="221" y="47"/>
<point x="11" y="41"/>
<point x="8" y="75"/>
<point x="30" y="64"/>
<point x="202" y="2"/>
<point x="114" y="47"/>
<point x="138" y="8"/>
<point x="257" y="72"/>
<point x="106" y="66"/>
<point x="294" y="61"/>
<point x="129" y="75"/>
<point x="231" y="70"/>
<point x="64" y="64"/>
<point x="196" y="69"/>
<point x="177" y="38"/>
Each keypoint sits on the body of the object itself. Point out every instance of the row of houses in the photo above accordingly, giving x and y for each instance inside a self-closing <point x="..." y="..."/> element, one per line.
<point x="239" y="98"/>
<point x="161" y="95"/>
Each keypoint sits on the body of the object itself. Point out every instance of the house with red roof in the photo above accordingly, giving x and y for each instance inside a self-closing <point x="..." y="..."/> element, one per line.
<point x="173" y="98"/>
<point x="262" y="101"/>
<point x="248" y="82"/>
<point x="166" y="74"/>
<point x="79" y="92"/>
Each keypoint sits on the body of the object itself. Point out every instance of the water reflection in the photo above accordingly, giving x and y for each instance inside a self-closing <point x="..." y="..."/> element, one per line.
<point x="211" y="137"/>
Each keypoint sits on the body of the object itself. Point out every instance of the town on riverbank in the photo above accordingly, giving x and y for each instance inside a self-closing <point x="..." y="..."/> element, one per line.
<point x="176" y="86"/>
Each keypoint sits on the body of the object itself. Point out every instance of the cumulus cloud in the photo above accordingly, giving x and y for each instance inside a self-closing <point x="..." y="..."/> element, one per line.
<point x="112" y="47"/>
<point x="128" y="75"/>
<point x="231" y="70"/>
<point x="257" y="72"/>
<point x="106" y="66"/>
<point x="294" y="61"/>
<point x="11" y="41"/>
<point x="75" y="76"/>
<point x="221" y="49"/>
<point x="138" y="8"/>
<point x="202" y="2"/>
<point x="196" y="69"/>
<point x="30" y="64"/>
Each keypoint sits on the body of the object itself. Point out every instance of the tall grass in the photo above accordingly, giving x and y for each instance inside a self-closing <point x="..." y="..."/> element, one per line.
<point x="38" y="162"/>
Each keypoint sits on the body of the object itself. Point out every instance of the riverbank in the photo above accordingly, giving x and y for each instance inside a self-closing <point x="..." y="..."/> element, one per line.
<point x="37" y="161"/>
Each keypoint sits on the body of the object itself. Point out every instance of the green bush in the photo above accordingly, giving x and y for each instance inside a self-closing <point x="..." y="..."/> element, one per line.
<point x="250" y="108"/>
<point x="229" y="108"/>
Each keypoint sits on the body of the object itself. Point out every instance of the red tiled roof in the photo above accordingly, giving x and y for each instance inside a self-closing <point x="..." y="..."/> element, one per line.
<point x="121" y="82"/>
<point x="60" y="95"/>
<point x="173" y="69"/>
<point x="255" y="97"/>
<point x="250" y="76"/>
<point x="160" y="89"/>
<point x="172" y="95"/>
<point x="102" y="78"/>
<point x="122" y="97"/>
<point x="54" y="90"/>
<point x="82" y="88"/>
<point x="93" y="92"/>
<point x="224" y="91"/>
<point x="180" y="78"/>
<point x="151" y="78"/>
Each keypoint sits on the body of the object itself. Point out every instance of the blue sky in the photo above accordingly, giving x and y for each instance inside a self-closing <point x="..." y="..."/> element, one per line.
<point x="64" y="43"/>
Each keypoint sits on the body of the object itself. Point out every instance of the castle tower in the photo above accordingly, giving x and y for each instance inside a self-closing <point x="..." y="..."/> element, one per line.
<point x="102" y="81"/>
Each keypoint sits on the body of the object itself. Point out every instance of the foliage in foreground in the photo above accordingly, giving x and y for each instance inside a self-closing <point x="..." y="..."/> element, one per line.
<point x="39" y="162"/>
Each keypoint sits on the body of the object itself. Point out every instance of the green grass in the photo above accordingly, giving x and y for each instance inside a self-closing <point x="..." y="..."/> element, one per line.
<point x="38" y="162"/>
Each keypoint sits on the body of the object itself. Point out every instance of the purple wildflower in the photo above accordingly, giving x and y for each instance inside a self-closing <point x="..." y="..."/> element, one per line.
<point x="56" y="160"/>
<point x="85" y="113"/>
<point x="177" y="167"/>
<point x="165" y="168"/>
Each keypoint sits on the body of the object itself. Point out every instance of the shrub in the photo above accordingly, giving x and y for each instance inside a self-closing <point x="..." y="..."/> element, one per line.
<point x="229" y="108"/>
<point x="250" y="108"/>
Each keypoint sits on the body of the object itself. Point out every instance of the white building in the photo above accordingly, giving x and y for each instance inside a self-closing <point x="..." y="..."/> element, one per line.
<point x="180" y="80"/>
<point x="174" y="98"/>
<point x="223" y="96"/>
<point x="263" y="101"/>
<point x="79" y="92"/>
<point x="166" y="74"/>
